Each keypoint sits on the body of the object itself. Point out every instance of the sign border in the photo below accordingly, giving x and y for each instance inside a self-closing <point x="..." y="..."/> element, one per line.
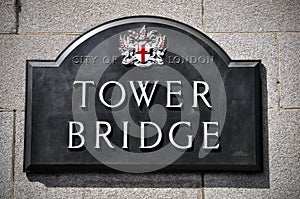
<point x="30" y="64"/>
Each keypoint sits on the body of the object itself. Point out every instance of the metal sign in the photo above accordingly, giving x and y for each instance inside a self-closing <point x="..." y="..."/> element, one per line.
<point x="143" y="94"/>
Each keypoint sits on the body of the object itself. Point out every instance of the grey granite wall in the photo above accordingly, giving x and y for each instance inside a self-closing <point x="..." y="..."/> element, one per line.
<point x="259" y="29"/>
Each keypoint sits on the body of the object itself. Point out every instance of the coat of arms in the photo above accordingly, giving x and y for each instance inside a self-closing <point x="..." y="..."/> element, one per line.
<point x="142" y="49"/>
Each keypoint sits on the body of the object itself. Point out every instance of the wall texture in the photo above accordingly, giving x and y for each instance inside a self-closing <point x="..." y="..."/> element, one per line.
<point x="258" y="29"/>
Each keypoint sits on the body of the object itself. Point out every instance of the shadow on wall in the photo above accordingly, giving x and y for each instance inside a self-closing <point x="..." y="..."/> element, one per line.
<point x="170" y="180"/>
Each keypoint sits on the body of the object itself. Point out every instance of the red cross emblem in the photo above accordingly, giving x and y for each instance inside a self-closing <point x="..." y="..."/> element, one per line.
<point x="143" y="52"/>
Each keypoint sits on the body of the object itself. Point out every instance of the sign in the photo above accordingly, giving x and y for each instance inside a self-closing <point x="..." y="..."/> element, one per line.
<point x="143" y="94"/>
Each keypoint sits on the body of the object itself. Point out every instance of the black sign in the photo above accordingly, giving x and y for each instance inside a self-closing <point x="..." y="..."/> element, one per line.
<point x="143" y="94"/>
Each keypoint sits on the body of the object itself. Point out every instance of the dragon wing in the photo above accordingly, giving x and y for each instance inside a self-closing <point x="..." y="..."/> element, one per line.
<point x="123" y="44"/>
<point x="151" y="34"/>
<point x="161" y="43"/>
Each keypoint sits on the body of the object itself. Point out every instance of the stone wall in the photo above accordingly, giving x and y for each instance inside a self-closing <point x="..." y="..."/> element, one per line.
<point x="259" y="29"/>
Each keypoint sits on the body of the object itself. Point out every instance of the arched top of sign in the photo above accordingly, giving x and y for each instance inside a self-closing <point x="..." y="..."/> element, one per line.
<point x="213" y="47"/>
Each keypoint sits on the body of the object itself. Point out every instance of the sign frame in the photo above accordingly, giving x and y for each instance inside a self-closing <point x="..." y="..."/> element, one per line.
<point x="254" y="65"/>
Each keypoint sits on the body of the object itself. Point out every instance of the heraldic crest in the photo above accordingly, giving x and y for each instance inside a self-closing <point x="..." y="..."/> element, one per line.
<point x="142" y="49"/>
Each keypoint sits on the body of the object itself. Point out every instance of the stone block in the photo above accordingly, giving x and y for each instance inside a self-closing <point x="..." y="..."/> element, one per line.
<point x="238" y="193"/>
<point x="251" y="16"/>
<point x="127" y="193"/>
<point x="23" y="187"/>
<point x="289" y="60"/>
<point x="7" y="16"/>
<point x="6" y="143"/>
<point x="80" y="16"/>
<point x="284" y="149"/>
